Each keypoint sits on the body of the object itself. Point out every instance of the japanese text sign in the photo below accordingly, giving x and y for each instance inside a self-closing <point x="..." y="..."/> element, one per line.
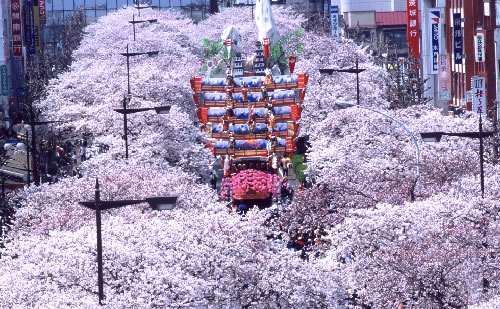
<point x="334" y="16"/>
<point x="412" y="28"/>
<point x="435" y="36"/>
<point x="478" y="95"/>
<point x="479" y="47"/>
<point x="444" y="78"/>
<point x="17" y="39"/>
<point x="458" y="47"/>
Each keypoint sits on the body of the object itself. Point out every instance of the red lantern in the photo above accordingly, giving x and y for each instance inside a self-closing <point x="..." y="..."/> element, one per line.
<point x="291" y="63"/>
<point x="266" y="47"/>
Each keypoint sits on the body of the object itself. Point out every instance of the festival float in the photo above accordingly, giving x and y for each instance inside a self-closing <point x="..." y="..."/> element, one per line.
<point x="251" y="111"/>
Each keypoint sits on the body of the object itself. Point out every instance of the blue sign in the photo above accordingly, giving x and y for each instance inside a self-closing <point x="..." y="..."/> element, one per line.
<point x="458" y="42"/>
<point x="334" y="16"/>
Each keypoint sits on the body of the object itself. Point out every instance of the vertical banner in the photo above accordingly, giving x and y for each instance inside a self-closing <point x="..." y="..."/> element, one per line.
<point x="478" y="95"/>
<point x="458" y="47"/>
<point x="479" y="47"/>
<point x="17" y="38"/>
<point x="228" y="43"/>
<point x="42" y="12"/>
<point x="334" y="16"/>
<point x="266" y="48"/>
<point x="30" y="26"/>
<point x="325" y="14"/>
<point x="435" y="36"/>
<point x="412" y="28"/>
<point x="36" y="25"/>
<point x="4" y="79"/>
<point x="444" y="78"/>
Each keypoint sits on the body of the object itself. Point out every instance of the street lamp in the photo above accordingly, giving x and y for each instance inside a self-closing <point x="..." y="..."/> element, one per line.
<point x="162" y="110"/>
<point x="139" y="7"/>
<point x="156" y="203"/>
<point x="357" y="70"/>
<point x="128" y="55"/>
<point x="436" y="137"/>
<point x="342" y="104"/>
<point x="133" y="22"/>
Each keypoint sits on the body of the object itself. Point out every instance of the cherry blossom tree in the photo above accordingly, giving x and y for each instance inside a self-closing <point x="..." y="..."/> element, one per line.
<point x="430" y="254"/>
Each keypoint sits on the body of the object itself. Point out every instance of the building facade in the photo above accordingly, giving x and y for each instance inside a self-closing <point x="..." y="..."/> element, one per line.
<point x="468" y="21"/>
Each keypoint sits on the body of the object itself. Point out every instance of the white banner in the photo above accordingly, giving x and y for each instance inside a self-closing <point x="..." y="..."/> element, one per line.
<point x="479" y="47"/>
<point x="478" y="95"/>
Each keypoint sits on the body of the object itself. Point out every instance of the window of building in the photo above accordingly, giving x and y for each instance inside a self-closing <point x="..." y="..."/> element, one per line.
<point x="100" y="4"/>
<point x="90" y="16"/>
<point x="396" y="38"/>
<point x="90" y="4"/>
<point x="68" y="4"/>
<point x="58" y="5"/>
<point x="79" y="4"/>
<point x="111" y="4"/>
<point x="121" y="3"/>
<point x="100" y="13"/>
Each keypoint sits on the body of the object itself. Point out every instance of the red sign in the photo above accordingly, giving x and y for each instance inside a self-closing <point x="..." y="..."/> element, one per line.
<point x="266" y="47"/>
<point x="291" y="63"/>
<point x="412" y="31"/>
<point x="41" y="11"/>
<point x="17" y="38"/>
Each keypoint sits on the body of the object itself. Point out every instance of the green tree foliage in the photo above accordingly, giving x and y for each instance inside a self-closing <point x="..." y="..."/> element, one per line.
<point x="290" y="44"/>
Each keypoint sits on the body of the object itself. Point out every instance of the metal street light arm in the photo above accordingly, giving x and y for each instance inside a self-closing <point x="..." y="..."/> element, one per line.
<point x="143" y="21"/>
<point x="330" y="71"/>
<point x="412" y="137"/>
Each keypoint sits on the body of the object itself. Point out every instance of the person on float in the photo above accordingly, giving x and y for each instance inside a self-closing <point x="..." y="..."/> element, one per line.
<point x="225" y="122"/>
<point x="265" y="95"/>
<point x="268" y="80"/>
<point x="229" y="78"/>
<point x="244" y="93"/>
<point x="232" y="141"/>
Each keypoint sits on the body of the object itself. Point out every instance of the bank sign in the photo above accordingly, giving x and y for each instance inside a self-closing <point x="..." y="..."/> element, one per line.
<point x="4" y="80"/>
<point x="435" y="36"/>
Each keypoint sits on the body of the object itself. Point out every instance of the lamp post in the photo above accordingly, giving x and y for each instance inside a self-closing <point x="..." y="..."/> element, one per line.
<point x="128" y="55"/>
<point x="436" y="137"/>
<point x="356" y="71"/>
<point x="341" y="104"/>
<point x="139" y="7"/>
<point x="125" y="111"/>
<point x="133" y="22"/>
<point x="156" y="203"/>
